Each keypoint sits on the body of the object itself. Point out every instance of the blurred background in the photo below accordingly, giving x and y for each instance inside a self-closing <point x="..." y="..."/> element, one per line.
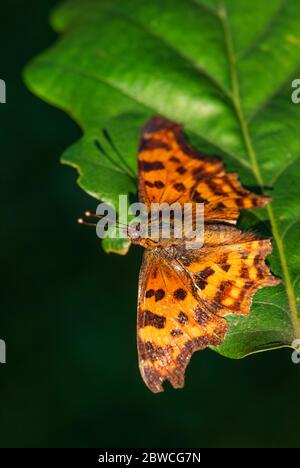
<point x="68" y="312"/>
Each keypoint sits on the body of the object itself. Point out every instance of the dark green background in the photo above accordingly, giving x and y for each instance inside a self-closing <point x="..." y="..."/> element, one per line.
<point x="68" y="310"/>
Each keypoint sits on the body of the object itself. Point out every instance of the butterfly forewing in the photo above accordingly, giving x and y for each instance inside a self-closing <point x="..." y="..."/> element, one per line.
<point x="171" y="170"/>
<point x="172" y="323"/>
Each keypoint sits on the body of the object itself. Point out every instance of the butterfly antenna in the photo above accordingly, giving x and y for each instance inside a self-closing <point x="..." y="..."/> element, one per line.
<point x="85" y="223"/>
<point x="90" y="214"/>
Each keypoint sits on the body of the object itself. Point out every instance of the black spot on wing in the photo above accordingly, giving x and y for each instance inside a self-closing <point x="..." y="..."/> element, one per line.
<point x="149" y="318"/>
<point x="150" y="293"/>
<point x="176" y="332"/>
<point x="153" y="143"/>
<point x="159" y="294"/>
<point x="200" y="278"/>
<point x="179" y="187"/>
<point x="201" y="316"/>
<point x="159" y="184"/>
<point x="181" y="170"/>
<point x="174" y="159"/>
<point x="147" y="166"/>
<point x="196" y="197"/>
<point x="182" y="318"/>
<point x="180" y="294"/>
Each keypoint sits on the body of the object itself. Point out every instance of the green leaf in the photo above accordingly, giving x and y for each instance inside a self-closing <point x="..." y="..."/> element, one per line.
<point x="222" y="68"/>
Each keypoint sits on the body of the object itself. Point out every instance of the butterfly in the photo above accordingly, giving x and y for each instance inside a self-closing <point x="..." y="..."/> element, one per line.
<point x="184" y="294"/>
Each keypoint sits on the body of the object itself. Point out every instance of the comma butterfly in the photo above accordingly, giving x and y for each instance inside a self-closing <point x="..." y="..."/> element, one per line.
<point x="185" y="294"/>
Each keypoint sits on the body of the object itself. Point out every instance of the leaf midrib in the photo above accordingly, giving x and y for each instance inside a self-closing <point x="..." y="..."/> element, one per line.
<point x="255" y="167"/>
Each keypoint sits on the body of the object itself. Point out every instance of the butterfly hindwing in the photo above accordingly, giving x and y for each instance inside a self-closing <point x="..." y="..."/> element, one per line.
<point x="229" y="268"/>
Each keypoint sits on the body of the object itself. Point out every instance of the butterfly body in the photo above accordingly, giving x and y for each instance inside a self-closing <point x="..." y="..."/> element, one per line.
<point x="185" y="293"/>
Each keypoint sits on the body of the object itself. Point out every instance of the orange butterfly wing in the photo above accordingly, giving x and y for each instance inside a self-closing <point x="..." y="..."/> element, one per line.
<point x="172" y="324"/>
<point x="228" y="269"/>
<point x="184" y="294"/>
<point x="171" y="170"/>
